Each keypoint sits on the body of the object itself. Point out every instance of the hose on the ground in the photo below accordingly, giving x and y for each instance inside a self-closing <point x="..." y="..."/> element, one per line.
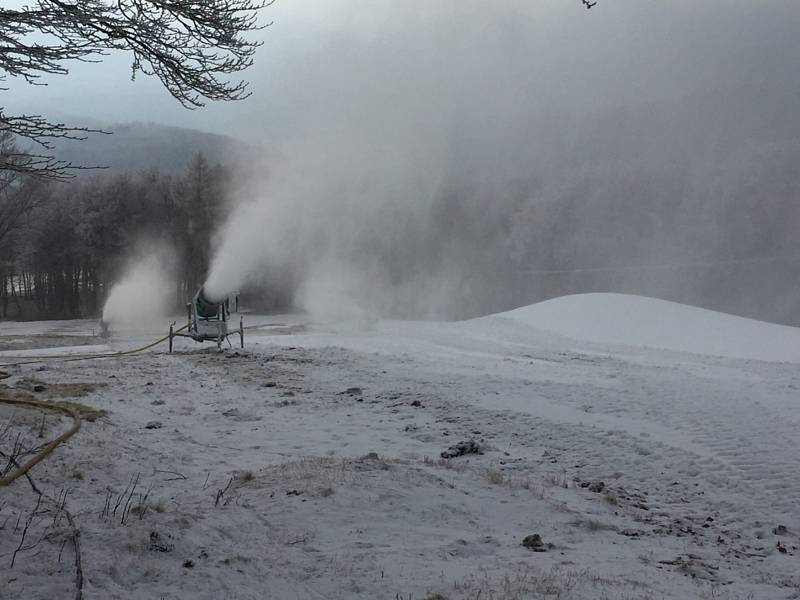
<point x="48" y="448"/>
<point x="66" y="409"/>
<point x="74" y="357"/>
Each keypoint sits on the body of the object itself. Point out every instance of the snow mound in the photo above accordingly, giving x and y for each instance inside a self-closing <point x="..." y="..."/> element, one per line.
<point x="648" y="322"/>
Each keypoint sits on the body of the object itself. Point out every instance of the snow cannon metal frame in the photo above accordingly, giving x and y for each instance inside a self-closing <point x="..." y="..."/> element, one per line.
<point x="208" y="321"/>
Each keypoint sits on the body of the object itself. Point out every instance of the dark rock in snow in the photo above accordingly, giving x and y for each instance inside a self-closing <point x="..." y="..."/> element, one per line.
<point x="154" y="425"/>
<point x="462" y="448"/>
<point x="157" y="402"/>
<point x="39" y="388"/>
<point x="416" y="403"/>
<point x="597" y="487"/>
<point x="371" y="462"/>
<point x="157" y="544"/>
<point x="534" y="542"/>
<point x="780" y="530"/>
<point x="631" y="533"/>
<point x="353" y="391"/>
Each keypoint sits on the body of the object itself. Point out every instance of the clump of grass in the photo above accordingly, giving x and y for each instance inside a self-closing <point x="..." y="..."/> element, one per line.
<point x="495" y="477"/>
<point x="530" y="582"/>
<point x="451" y="465"/>
<point x="611" y="499"/>
<point x="592" y="525"/>
<point x="557" y="479"/>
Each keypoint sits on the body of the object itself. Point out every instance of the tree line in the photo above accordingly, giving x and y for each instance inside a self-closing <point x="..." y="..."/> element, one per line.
<point x="63" y="245"/>
<point x="693" y="220"/>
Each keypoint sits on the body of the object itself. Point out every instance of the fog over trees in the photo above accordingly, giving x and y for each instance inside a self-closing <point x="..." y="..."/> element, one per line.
<point x="705" y="216"/>
<point x="636" y="147"/>
<point x="60" y="245"/>
<point x="95" y="224"/>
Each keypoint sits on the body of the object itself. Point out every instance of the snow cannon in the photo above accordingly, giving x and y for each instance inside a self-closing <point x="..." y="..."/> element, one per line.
<point x="204" y="307"/>
<point x="208" y="321"/>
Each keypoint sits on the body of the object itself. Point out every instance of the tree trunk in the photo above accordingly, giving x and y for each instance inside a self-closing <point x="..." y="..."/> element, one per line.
<point x="4" y="295"/>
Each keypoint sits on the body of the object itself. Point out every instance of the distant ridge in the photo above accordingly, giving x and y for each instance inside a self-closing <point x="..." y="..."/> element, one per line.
<point x="138" y="146"/>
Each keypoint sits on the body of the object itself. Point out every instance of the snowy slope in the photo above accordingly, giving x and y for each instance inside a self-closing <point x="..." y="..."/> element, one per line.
<point x="308" y="464"/>
<point x="648" y="322"/>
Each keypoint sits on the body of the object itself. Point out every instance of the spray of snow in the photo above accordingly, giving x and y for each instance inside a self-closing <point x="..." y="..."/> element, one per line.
<point x="139" y="301"/>
<point x="417" y="170"/>
<point x="348" y="206"/>
<point x="333" y="223"/>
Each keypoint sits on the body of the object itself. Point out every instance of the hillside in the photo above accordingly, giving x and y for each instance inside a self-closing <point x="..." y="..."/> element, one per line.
<point x="332" y="459"/>
<point x="137" y="146"/>
<point x="651" y="323"/>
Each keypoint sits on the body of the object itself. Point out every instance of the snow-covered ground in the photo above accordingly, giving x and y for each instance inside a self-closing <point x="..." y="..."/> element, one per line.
<point x="648" y="322"/>
<point x="654" y="448"/>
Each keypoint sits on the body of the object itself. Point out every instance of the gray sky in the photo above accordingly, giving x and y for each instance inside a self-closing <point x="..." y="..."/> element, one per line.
<point x="322" y="58"/>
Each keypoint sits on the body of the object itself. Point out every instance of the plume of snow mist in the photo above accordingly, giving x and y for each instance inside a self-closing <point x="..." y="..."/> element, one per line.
<point x="359" y="206"/>
<point x="330" y="222"/>
<point x="448" y="160"/>
<point x="139" y="301"/>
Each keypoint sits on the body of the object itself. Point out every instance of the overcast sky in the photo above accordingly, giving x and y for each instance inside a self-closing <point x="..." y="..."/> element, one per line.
<point x="321" y="58"/>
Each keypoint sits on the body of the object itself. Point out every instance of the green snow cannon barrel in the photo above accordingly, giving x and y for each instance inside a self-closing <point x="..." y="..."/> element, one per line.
<point x="205" y="308"/>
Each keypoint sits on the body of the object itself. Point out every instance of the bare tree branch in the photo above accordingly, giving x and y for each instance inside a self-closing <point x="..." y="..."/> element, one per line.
<point x="193" y="48"/>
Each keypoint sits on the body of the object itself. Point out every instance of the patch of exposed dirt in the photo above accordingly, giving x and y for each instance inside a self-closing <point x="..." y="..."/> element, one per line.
<point x="33" y="389"/>
<point x="44" y="390"/>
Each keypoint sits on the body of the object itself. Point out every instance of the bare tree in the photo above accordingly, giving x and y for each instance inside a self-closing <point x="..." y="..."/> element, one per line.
<point x="193" y="48"/>
<point x="18" y="195"/>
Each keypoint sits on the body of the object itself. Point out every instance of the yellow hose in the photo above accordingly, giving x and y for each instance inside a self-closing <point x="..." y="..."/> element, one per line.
<point x="62" y="408"/>
<point x="47" y="449"/>
<point x="72" y="357"/>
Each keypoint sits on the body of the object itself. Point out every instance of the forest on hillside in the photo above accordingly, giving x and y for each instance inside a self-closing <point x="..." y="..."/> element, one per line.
<point x="62" y="245"/>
